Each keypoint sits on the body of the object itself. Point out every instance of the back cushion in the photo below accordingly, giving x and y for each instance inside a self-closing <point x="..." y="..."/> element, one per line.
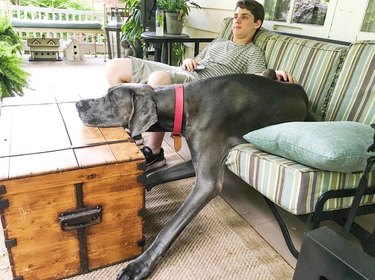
<point x="353" y="98"/>
<point x="313" y="63"/>
<point x="225" y="31"/>
<point x="262" y="37"/>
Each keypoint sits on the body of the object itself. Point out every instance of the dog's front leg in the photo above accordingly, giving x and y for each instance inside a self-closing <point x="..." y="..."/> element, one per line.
<point x="203" y="191"/>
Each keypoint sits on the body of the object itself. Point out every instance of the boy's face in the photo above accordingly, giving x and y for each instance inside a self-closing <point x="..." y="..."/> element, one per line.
<point x="243" y="24"/>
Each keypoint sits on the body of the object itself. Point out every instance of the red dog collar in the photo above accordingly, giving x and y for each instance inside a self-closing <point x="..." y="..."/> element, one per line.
<point x="178" y="112"/>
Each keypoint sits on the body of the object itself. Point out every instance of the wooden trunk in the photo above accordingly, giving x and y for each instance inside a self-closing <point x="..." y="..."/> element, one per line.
<point x="71" y="196"/>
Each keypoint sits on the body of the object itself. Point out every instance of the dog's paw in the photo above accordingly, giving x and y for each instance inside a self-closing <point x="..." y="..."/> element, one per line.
<point x="136" y="270"/>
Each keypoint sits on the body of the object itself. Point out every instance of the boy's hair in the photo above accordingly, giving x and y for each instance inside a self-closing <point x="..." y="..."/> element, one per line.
<point x="254" y="7"/>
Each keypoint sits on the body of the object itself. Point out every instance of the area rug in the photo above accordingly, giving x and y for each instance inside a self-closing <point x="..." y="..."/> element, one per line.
<point x="217" y="244"/>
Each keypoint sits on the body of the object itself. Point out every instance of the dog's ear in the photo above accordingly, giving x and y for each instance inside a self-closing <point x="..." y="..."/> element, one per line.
<point x="144" y="114"/>
<point x="269" y="73"/>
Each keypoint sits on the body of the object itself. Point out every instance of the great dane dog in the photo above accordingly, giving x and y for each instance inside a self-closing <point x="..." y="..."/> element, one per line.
<point x="217" y="113"/>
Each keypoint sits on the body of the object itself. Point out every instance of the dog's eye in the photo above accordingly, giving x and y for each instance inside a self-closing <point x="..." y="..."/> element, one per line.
<point x="109" y="97"/>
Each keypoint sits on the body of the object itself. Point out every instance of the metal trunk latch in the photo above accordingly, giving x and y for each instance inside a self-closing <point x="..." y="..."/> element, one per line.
<point x="80" y="218"/>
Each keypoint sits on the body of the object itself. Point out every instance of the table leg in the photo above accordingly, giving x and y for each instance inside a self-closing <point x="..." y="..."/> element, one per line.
<point x="169" y="53"/>
<point x="118" y="43"/>
<point x="109" y="44"/>
<point x="164" y="53"/>
<point x="158" y="50"/>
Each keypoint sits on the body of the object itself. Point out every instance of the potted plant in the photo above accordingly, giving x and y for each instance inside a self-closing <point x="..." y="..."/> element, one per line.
<point x="132" y="29"/>
<point x="13" y="79"/>
<point x="175" y="13"/>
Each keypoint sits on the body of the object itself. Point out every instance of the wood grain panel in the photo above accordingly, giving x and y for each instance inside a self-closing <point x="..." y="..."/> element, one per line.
<point x="56" y="180"/>
<point x="115" y="133"/>
<point x="121" y="198"/>
<point x="126" y="152"/>
<point x="92" y="156"/>
<point x="37" y="128"/>
<point x="4" y="168"/>
<point x="79" y="133"/>
<point x="42" y="246"/>
<point x="41" y="163"/>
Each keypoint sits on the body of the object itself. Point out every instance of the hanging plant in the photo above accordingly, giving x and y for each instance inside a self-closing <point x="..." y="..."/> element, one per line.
<point x="13" y="79"/>
<point x="7" y="34"/>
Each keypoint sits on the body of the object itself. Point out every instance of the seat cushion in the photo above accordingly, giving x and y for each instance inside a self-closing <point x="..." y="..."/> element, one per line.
<point x="353" y="98"/>
<point x="313" y="63"/>
<point x="293" y="186"/>
<point x="333" y="146"/>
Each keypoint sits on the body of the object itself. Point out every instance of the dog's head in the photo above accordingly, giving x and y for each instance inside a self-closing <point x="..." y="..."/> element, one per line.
<point x="127" y="105"/>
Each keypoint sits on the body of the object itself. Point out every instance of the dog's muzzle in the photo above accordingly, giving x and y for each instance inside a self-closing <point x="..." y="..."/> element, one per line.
<point x="81" y="105"/>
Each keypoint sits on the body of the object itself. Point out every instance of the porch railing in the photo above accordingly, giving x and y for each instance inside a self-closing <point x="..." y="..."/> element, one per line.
<point x="53" y="14"/>
<point x="32" y="22"/>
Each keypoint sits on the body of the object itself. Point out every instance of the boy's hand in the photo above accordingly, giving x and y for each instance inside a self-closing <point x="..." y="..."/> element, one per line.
<point x="285" y="76"/>
<point x="189" y="64"/>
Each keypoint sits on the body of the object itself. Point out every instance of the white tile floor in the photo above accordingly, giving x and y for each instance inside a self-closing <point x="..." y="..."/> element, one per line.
<point x="87" y="79"/>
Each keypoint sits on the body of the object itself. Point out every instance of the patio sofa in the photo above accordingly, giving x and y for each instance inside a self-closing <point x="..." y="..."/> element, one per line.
<point x="284" y="162"/>
<point x="311" y="169"/>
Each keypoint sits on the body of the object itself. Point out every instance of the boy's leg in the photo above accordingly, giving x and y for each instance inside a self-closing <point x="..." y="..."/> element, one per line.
<point x="118" y="71"/>
<point x="153" y="151"/>
<point x="133" y="70"/>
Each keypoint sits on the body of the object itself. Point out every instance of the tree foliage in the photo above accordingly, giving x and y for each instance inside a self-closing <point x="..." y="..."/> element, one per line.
<point x="60" y="4"/>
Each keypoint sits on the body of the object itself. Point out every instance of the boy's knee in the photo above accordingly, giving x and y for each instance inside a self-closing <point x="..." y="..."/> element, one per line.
<point x="159" y="78"/>
<point x="115" y="64"/>
<point x="118" y="70"/>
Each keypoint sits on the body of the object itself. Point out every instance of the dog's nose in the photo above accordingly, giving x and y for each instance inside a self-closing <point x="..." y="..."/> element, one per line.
<point x="80" y="105"/>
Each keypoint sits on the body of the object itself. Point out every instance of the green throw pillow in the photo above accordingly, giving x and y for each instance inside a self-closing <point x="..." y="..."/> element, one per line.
<point x="334" y="146"/>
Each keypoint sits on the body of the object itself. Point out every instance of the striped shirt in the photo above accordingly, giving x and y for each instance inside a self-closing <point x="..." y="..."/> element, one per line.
<point x="223" y="57"/>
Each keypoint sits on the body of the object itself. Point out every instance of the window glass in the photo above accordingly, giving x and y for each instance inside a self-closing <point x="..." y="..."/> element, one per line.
<point x="304" y="11"/>
<point x="276" y="10"/>
<point x="369" y="20"/>
<point x="310" y="11"/>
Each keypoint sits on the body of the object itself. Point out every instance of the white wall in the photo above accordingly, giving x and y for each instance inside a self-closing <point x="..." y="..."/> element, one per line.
<point x="205" y="21"/>
<point x="347" y="21"/>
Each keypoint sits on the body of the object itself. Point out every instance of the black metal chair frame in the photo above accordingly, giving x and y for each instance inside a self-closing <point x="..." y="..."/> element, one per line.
<point x="344" y="217"/>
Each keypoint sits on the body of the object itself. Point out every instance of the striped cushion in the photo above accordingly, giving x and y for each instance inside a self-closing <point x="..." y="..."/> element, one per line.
<point x="353" y="98"/>
<point x="262" y="37"/>
<point x="313" y="63"/>
<point x="226" y="29"/>
<point x="291" y="185"/>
